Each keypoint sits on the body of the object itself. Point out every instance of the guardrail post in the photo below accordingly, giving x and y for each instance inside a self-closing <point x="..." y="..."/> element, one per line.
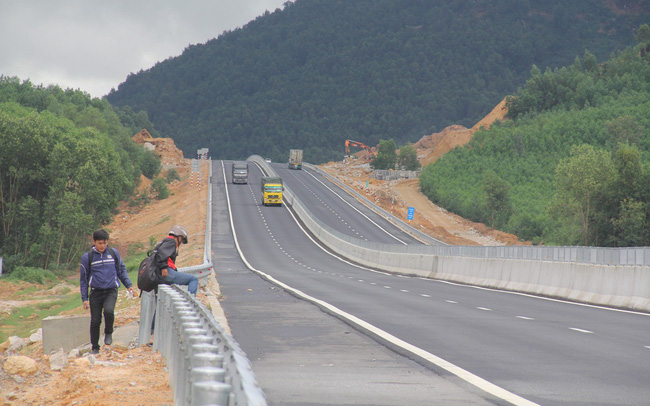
<point x="190" y="336"/>
<point x="207" y="374"/>
<point x="210" y="394"/>
<point x="147" y="309"/>
<point x="207" y="359"/>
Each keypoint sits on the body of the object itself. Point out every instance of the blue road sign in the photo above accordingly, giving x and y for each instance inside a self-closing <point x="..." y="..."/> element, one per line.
<point x="410" y="213"/>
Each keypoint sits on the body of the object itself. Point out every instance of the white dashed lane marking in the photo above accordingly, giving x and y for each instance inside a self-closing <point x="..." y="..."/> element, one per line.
<point x="331" y="210"/>
<point x="579" y="330"/>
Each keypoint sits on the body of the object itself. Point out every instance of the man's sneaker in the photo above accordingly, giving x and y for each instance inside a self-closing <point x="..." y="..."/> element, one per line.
<point x="94" y="351"/>
<point x="108" y="339"/>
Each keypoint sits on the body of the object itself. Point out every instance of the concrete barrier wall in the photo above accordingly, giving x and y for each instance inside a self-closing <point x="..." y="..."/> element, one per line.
<point x="67" y="332"/>
<point x="622" y="286"/>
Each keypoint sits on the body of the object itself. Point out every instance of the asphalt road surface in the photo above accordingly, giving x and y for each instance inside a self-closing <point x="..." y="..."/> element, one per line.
<point x="488" y="345"/>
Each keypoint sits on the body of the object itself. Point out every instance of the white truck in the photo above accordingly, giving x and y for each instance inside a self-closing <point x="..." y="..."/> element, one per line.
<point x="295" y="159"/>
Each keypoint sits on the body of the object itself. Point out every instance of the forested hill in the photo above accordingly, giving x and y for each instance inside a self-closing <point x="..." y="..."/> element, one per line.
<point x="318" y="72"/>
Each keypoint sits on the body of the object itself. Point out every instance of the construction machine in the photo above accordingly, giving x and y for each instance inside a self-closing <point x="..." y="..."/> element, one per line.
<point x="350" y="143"/>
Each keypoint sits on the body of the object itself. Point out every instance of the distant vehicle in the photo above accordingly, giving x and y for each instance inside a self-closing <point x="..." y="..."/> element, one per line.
<point x="295" y="159"/>
<point x="240" y="172"/>
<point x="272" y="191"/>
<point x="268" y="160"/>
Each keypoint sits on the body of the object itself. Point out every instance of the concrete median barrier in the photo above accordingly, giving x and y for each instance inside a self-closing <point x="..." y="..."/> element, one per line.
<point x="562" y="275"/>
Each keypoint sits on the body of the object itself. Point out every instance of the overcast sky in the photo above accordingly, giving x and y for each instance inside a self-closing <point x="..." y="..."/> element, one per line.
<point x="93" y="45"/>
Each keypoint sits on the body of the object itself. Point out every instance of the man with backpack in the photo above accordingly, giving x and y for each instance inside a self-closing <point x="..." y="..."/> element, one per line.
<point x="167" y="253"/>
<point x="101" y="271"/>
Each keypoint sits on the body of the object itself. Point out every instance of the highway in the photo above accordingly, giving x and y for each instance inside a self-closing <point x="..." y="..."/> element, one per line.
<point x="516" y="349"/>
<point x="340" y="211"/>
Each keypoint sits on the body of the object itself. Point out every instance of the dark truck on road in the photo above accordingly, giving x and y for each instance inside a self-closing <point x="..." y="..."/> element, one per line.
<point x="240" y="172"/>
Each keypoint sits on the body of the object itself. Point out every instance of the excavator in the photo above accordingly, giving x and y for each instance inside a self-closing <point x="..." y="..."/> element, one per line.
<point x="350" y="143"/>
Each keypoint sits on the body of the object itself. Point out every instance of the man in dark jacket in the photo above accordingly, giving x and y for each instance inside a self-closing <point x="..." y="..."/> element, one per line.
<point x="101" y="270"/>
<point x="167" y="253"/>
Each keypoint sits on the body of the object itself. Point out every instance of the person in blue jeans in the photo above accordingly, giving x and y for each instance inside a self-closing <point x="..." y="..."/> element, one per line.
<point x="167" y="253"/>
<point x="166" y="258"/>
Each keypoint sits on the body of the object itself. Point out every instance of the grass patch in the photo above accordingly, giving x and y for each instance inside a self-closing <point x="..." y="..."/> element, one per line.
<point x="32" y="275"/>
<point x="22" y="321"/>
<point x="135" y="249"/>
<point x="28" y="291"/>
<point x="162" y="220"/>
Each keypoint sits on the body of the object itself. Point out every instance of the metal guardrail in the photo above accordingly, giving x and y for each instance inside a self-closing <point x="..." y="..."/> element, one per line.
<point x="206" y="365"/>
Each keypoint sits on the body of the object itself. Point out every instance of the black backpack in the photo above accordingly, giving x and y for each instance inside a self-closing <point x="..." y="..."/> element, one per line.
<point x="149" y="276"/>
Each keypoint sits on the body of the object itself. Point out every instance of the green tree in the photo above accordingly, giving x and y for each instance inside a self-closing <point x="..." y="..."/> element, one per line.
<point x="643" y="35"/>
<point x="589" y="62"/>
<point x="629" y="170"/>
<point x="150" y="164"/>
<point x="160" y="189"/>
<point x="579" y="179"/>
<point x="625" y="130"/>
<point x="172" y="175"/>
<point x="408" y="158"/>
<point x="631" y="226"/>
<point x="386" y="155"/>
<point x="497" y="195"/>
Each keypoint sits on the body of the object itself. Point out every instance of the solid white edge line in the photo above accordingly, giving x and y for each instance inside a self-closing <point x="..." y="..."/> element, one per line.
<point x="348" y="203"/>
<point x="416" y="351"/>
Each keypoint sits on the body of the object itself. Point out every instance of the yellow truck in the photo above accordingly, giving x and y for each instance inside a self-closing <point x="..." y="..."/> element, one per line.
<point x="272" y="191"/>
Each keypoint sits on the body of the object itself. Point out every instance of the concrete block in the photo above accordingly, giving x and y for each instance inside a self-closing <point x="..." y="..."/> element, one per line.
<point x="67" y="332"/>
